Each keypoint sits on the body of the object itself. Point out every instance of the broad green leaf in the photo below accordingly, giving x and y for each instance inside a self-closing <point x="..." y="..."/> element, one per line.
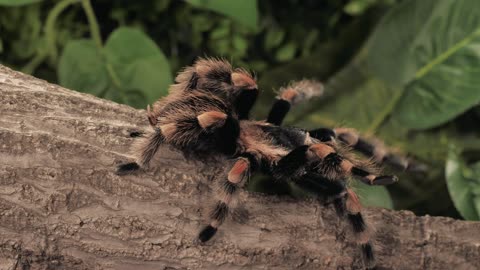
<point x="130" y="68"/>
<point x="374" y="195"/>
<point x="127" y="45"/>
<point x="151" y="77"/>
<point x="13" y="3"/>
<point x="476" y="173"/>
<point x="139" y="61"/>
<point x="134" y="98"/>
<point x="460" y="187"/>
<point x="81" y="68"/>
<point x="245" y="11"/>
<point x="476" y="202"/>
<point x="430" y="50"/>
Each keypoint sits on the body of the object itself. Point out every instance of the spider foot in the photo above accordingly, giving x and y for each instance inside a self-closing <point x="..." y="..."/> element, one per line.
<point x="127" y="168"/>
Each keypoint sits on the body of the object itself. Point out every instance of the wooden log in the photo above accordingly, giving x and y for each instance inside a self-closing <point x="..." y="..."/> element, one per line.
<point x="63" y="207"/>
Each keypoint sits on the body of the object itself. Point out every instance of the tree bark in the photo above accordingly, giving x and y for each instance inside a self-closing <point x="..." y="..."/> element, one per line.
<point x="63" y="207"/>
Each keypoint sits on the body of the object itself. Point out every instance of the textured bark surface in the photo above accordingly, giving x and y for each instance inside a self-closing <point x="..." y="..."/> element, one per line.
<point x="62" y="206"/>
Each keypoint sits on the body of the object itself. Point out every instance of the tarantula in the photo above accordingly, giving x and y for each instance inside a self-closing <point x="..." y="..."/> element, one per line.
<point x="206" y="115"/>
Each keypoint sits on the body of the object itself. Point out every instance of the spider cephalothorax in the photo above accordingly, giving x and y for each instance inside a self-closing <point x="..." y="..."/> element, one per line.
<point x="206" y="116"/>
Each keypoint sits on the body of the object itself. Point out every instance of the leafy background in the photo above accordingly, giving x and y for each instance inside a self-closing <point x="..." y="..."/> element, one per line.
<point x="405" y="71"/>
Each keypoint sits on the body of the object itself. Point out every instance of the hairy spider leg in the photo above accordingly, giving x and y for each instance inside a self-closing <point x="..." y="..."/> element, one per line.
<point x="293" y="94"/>
<point x="223" y="126"/>
<point x="346" y="203"/>
<point x="333" y="164"/>
<point x="246" y="86"/>
<point x="376" y="150"/>
<point x="228" y="190"/>
<point x="148" y="149"/>
<point x="278" y="112"/>
<point x="244" y="103"/>
<point x="347" y="206"/>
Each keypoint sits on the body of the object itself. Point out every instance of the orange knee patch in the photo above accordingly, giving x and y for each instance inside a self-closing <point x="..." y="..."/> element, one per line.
<point x="321" y="150"/>
<point x="289" y="95"/>
<point x="346" y="165"/>
<point x="168" y="130"/>
<point x="238" y="170"/>
<point x="212" y="118"/>
<point x="243" y="80"/>
<point x="353" y="203"/>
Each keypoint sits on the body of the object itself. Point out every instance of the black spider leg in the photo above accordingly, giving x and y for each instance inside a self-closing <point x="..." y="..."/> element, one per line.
<point x="150" y="147"/>
<point x="378" y="152"/>
<point x="323" y="134"/>
<point x="347" y="206"/>
<point x="294" y="167"/>
<point x="223" y="127"/>
<point x="229" y="187"/>
<point x="278" y="112"/>
<point x="226" y="136"/>
<point x="244" y="102"/>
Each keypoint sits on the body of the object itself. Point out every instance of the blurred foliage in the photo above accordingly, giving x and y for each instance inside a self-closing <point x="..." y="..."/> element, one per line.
<point x="402" y="70"/>
<point x="463" y="184"/>
<point x="433" y="60"/>
<point x="129" y="69"/>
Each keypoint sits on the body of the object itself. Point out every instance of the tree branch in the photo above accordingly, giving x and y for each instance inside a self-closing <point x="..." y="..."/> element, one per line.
<point x="62" y="206"/>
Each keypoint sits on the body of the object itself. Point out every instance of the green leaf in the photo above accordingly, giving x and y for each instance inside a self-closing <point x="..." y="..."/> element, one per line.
<point x="151" y="77"/>
<point x="476" y="173"/>
<point x="273" y="38"/>
<point x="140" y="62"/>
<point x="461" y="187"/>
<point x="135" y="98"/>
<point x="429" y="50"/>
<point x="130" y="68"/>
<point x="81" y="68"/>
<point x="222" y="31"/>
<point x="309" y="42"/>
<point x="13" y="3"/>
<point x="240" y="44"/>
<point x="244" y="11"/>
<point x="374" y="195"/>
<point x="286" y="52"/>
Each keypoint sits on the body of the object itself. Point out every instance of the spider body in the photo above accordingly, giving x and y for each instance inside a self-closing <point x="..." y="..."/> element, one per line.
<point x="205" y="116"/>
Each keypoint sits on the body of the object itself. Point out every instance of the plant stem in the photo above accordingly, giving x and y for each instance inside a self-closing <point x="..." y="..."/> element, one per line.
<point x="49" y="47"/>
<point x="113" y="76"/>
<point x="382" y="116"/>
<point x="35" y="62"/>
<point x="97" y="39"/>
<point x="49" y="29"/>
<point x="92" y="23"/>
